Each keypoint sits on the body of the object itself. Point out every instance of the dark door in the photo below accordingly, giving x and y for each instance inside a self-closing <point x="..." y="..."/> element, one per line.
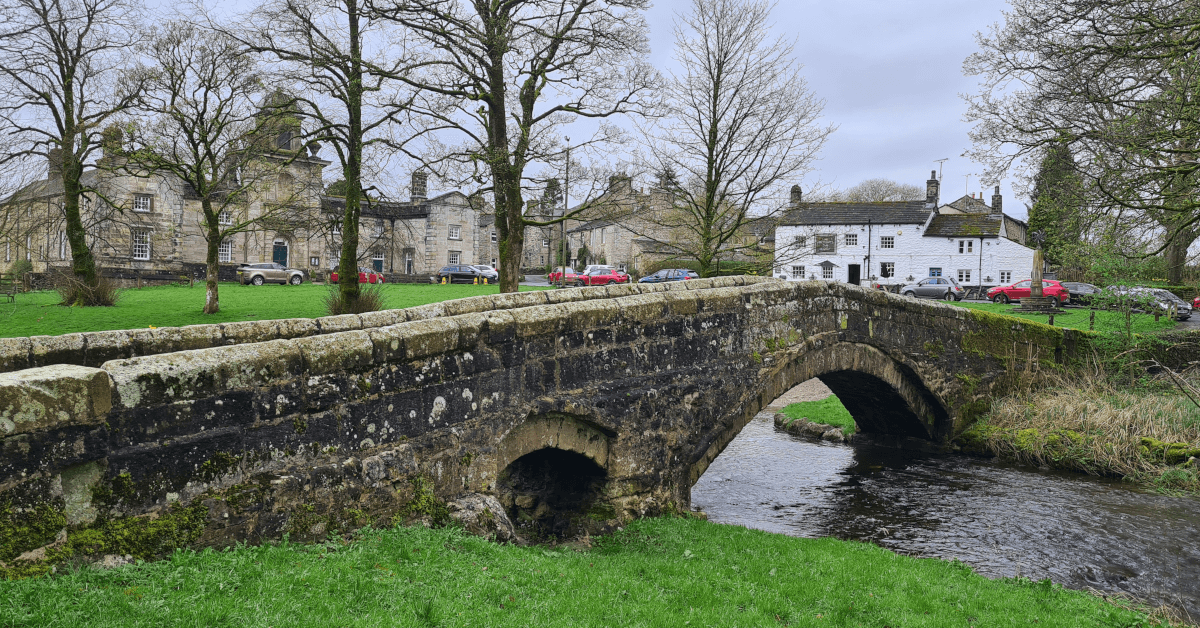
<point x="378" y="264"/>
<point x="854" y="274"/>
<point x="280" y="255"/>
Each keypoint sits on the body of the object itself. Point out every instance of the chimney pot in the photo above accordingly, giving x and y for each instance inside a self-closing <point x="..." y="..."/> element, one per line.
<point x="997" y="202"/>
<point x="420" y="181"/>
<point x="932" y="190"/>
<point x="54" y="166"/>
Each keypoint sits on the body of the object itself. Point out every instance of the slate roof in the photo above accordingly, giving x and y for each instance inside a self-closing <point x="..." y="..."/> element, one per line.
<point x="890" y="213"/>
<point x="959" y="225"/>
<point x="378" y="209"/>
<point x="593" y="224"/>
<point x="970" y="205"/>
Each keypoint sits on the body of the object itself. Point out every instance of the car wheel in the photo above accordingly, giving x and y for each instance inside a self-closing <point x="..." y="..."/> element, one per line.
<point x="297" y="280"/>
<point x="258" y="280"/>
<point x="1000" y="299"/>
<point x="950" y="296"/>
<point x="910" y="293"/>
<point x="1054" y="302"/>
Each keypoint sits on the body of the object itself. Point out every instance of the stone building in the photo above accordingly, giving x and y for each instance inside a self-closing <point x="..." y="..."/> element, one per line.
<point x="140" y="221"/>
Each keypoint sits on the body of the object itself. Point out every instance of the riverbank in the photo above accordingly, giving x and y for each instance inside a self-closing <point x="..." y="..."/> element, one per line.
<point x="656" y="572"/>
<point x="1149" y="436"/>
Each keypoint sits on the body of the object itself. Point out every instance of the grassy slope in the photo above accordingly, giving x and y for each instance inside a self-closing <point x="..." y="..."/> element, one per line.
<point x="1106" y="321"/>
<point x="658" y="572"/>
<point x="829" y="411"/>
<point x="38" y="313"/>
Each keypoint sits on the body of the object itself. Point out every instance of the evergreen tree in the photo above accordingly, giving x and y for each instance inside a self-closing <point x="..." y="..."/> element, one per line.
<point x="1058" y="203"/>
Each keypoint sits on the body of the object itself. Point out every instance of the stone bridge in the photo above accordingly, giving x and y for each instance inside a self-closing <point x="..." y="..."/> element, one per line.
<point x="555" y="411"/>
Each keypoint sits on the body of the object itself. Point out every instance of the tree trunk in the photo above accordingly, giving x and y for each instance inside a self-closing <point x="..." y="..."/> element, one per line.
<point x="1176" y="252"/>
<point x="212" y="272"/>
<point x="348" y="289"/>
<point x="83" y="263"/>
<point x="512" y="240"/>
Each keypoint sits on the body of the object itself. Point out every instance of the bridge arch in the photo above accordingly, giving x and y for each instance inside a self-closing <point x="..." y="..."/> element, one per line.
<point x="884" y="395"/>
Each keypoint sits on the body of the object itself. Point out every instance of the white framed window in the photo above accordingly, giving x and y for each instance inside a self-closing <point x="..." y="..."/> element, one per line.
<point x="378" y="228"/>
<point x="1006" y="276"/>
<point x="225" y="251"/>
<point x="455" y="232"/>
<point x="494" y="238"/>
<point x="801" y="241"/>
<point x="964" y="275"/>
<point x="29" y="248"/>
<point x="826" y="244"/>
<point x="225" y="218"/>
<point x="887" y="242"/>
<point x="314" y="261"/>
<point x="827" y="272"/>
<point x="602" y="236"/>
<point x="798" y="272"/>
<point x="62" y="245"/>
<point x="455" y="257"/>
<point x="887" y="269"/>
<point x="493" y="262"/>
<point x="851" y="239"/>
<point x="143" y="203"/>
<point x="546" y="242"/>
<point x="966" y="246"/>
<point x="337" y="227"/>
<point x="141" y="244"/>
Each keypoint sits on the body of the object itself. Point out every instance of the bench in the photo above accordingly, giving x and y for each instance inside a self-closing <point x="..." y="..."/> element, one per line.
<point x="9" y="286"/>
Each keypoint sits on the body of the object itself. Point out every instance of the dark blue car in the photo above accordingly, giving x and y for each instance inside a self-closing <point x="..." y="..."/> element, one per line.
<point x="670" y="274"/>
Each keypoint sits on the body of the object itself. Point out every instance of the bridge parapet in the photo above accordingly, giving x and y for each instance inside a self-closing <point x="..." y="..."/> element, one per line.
<point x="646" y="383"/>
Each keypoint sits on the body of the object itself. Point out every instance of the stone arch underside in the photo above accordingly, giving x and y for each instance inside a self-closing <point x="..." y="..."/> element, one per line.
<point x="885" y="396"/>
<point x="554" y="431"/>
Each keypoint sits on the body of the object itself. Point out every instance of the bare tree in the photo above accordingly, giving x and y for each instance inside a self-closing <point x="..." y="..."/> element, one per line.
<point x="883" y="190"/>
<point x="343" y="70"/>
<point x="506" y="76"/>
<point x="742" y="126"/>
<point x="206" y="129"/>
<point x="60" y="65"/>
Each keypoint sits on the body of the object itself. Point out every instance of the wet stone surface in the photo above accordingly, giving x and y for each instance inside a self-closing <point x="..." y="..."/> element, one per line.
<point x="1002" y="520"/>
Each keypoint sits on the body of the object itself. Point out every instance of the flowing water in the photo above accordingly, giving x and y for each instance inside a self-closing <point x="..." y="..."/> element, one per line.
<point x="1002" y="520"/>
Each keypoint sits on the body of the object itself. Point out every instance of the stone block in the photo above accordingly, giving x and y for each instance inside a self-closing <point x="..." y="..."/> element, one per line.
<point x="537" y="321"/>
<point x="340" y="323"/>
<point x="424" y="312"/>
<point x="642" y="308"/>
<point x="103" y="346"/>
<point x="382" y="318"/>
<point x="195" y="337"/>
<point x="682" y="304"/>
<point x="166" y="378"/>
<point x="14" y="354"/>
<point x="65" y="349"/>
<point x="590" y="315"/>
<point x="470" y="326"/>
<point x="51" y="397"/>
<point x="345" y="352"/>
<point x="297" y="327"/>
<point x="426" y="338"/>
<point x="245" y="332"/>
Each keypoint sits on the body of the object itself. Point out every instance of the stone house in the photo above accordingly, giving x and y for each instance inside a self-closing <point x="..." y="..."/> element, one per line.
<point x="894" y="243"/>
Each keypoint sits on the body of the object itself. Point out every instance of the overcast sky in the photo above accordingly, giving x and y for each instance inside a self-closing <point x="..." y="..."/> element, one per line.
<point x="890" y="72"/>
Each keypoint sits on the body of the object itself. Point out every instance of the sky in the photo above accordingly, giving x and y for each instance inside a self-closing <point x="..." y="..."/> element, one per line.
<point x="890" y="72"/>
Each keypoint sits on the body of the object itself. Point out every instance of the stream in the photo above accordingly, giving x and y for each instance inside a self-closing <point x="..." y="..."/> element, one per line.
<point x="1001" y="519"/>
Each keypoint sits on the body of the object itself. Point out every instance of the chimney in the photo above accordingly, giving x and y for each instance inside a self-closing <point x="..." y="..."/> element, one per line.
<point x="932" y="189"/>
<point x="419" y="190"/>
<point x="997" y="202"/>
<point x="797" y="195"/>
<point x="54" y="166"/>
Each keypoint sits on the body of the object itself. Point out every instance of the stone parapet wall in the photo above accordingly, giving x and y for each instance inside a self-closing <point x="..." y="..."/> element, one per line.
<point x="309" y="426"/>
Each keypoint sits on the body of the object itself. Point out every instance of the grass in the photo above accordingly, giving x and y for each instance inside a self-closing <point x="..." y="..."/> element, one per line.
<point x="1106" y="320"/>
<point x="657" y="572"/>
<point x="828" y="411"/>
<point x="38" y="313"/>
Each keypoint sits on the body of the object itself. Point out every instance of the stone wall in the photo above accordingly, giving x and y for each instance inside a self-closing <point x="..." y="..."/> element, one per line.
<point x="325" y="425"/>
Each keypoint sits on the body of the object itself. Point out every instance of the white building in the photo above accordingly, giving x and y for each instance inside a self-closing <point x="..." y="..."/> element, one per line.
<point x="893" y="243"/>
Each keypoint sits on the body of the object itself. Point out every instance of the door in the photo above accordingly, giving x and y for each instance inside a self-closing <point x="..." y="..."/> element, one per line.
<point x="855" y="271"/>
<point x="408" y="264"/>
<point x="280" y="253"/>
<point x="377" y="263"/>
<point x="1021" y="290"/>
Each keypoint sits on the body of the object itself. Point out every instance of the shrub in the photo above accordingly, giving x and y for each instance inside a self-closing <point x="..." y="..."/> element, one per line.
<point x="76" y="292"/>
<point x="20" y="267"/>
<point x="370" y="299"/>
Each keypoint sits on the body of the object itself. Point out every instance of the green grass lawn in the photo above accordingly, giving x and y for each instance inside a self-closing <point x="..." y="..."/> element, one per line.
<point x="1106" y="321"/>
<point x="38" y="313"/>
<point x="657" y="572"/>
<point x="829" y="411"/>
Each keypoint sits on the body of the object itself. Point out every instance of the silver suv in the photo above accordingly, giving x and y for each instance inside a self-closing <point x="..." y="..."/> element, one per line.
<point x="269" y="272"/>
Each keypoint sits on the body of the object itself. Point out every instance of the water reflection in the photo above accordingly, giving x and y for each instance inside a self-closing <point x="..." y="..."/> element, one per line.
<point x="1002" y="520"/>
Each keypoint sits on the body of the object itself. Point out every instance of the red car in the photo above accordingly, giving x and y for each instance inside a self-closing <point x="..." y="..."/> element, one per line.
<point x="601" y="277"/>
<point x="1022" y="289"/>
<point x="365" y="275"/>
<point x="556" y="276"/>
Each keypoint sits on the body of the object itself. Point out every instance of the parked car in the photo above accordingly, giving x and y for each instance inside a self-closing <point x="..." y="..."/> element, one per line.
<point x="934" y="288"/>
<point x="269" y="272"/>
<point x="1080" y="292"/>
<point x="670" y="274"/>
<point x="1196" y="303"/>
<point x="491" y="273"/>
<point x="1150" y="298"/>
<point x="557" y="275"/>
<point x="365" y="275"/>
<point x="458" y="274"/>
<point x="1023" y="289"/>
<point x="601" y="277"/>
<point x="590" y="267"/>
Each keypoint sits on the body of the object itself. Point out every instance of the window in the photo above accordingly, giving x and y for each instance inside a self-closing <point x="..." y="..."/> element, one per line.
<point x="493" y="262"/>
<point x="455" y="256"/>
<point x="225" y="218"/>
<point x="602" y="236"/>
<point x="851" y="239"/>
<point x="826" y="244"/>
<point x="143" y="203"/>
<point x="935" y="272"/>
<point x="225" y="251"/>
<point x="964" y="276"/>
<point x="798" y="271"/>
<point x="887" y="269"/>
<point x="62" y="245"/>
<point x="966" y="246"/>
<point x="801" y="241"/>
<point x="314" y="262"/>
<point x="337" y="227"/>
<point x="546" y="242"/>
<point x="141" y="244"/>
<point x="494" y="236"/>
<point x="1005" y="276"/>
<point x="887" y="242"/>
<point x="29" y="248"/>
<point x="455" y="232"/>
<point x="377" y="261"/>
<point x="379" y="230"/>
<point x="826" y="271"/>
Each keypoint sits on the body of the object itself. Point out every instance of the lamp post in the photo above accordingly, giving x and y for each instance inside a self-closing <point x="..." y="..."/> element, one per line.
<point x="566" y="203"/>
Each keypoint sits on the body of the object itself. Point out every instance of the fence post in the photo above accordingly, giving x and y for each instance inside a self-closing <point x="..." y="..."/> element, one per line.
<point x="1092" y="322"/>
